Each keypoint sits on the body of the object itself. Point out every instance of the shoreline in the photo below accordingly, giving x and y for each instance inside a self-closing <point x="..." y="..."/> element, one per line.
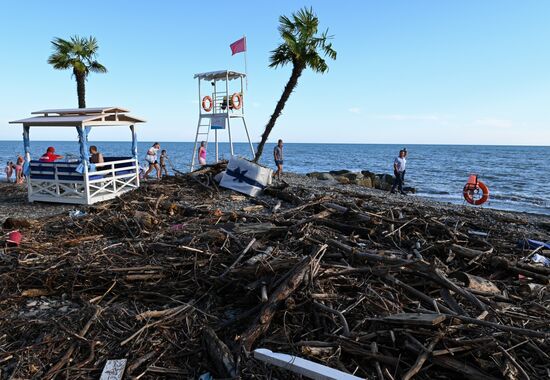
<point x="13" y="199"/>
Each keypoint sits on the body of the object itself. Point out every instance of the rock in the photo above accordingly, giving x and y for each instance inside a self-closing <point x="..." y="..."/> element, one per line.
<point x="408" y="189"/>
<point x="365" y="182"/>
<point x="326" y="177"/>
<point x="339" y="172"/>
<point x="367" y="173"/>
<point x="313" y="175"/>
<point x="387" y="178"/>
<point x="343" y="180"/>
<point x="383" y="182"/>
<point x="353" y="176"/>
<point x="320" y="176"/>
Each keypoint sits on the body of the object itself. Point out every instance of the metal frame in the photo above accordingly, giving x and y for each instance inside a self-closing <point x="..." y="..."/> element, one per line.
<point x="205" y="118"/>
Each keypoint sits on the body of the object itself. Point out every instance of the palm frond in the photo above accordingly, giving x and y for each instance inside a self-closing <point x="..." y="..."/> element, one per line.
<point x="76" y="53"/>
<point x="302" y="45"/>
<point x="96" y="67"/>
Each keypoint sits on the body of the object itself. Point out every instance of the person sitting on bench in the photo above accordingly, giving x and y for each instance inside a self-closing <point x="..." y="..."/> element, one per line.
<point x="95" y="156"/>
<point x="50" y="155"/>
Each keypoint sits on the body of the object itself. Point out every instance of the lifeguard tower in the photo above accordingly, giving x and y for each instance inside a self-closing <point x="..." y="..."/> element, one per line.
<point x="78" y="181"/>
<point x="221" y="106"/>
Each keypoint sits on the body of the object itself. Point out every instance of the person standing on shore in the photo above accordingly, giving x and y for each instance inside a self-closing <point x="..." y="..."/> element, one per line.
<point x="399" y="166"/>
<point x="163" y="158"/>
<point x="9" y="171"/>
<point x="202" y="153"/>
<point x="19" y="176"/>
<point x="278" y="157"/>
<point x="404" y="171"/>
<point x="151" y="158"/>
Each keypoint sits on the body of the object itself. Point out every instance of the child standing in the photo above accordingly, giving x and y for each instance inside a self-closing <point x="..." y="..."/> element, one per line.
<point x="163" y="158"/>
<point x="19" y="176"/>
<point x="9" y="171"/>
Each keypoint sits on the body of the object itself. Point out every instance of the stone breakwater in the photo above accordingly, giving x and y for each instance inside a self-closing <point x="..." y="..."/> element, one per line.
<point x="363" y="178"/>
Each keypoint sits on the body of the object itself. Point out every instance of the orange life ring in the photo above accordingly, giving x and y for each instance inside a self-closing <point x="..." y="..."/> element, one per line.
<point x="209" y="100"/>
<point x="473" y="187"/>
<point x="236" y="97"/>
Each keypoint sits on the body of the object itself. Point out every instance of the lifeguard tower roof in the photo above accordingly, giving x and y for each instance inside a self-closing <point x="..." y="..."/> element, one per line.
<point x="79" y="117"/>
<point x="220" y="75"/>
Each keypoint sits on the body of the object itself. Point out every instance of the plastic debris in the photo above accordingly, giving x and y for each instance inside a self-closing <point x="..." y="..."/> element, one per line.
<point x="77" y="214"/>
<point x="541" y="259"/>
<point x="533" y="244"/>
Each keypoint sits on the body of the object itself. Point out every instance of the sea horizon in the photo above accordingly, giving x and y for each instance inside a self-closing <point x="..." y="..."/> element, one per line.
<point x="289" y="142"/>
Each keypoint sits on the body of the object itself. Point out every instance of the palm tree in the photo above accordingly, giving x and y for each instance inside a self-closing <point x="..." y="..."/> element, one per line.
<point x="78" y="54"/>
<point x="302" y="48"/>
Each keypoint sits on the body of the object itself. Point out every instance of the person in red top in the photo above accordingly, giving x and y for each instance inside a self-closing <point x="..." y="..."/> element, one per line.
<point x="50" y="155"/>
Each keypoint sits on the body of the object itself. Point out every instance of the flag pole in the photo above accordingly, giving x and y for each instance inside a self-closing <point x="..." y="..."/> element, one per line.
<point x="245" y="68"/>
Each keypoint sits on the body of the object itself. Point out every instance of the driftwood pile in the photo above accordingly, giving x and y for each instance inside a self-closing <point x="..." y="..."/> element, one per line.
<point x="183" y="278"/>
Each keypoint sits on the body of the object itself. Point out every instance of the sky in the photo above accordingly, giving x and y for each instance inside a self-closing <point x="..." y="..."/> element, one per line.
<point x="407" y="72"/>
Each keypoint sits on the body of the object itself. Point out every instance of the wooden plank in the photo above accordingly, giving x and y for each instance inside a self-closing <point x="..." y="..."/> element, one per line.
<point x="113" y="370"/>
<point x="415" y="319"/>
<point x="301" y="366"/>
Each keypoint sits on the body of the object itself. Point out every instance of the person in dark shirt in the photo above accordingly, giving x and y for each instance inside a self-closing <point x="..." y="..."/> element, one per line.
<point x="278" y="157"/>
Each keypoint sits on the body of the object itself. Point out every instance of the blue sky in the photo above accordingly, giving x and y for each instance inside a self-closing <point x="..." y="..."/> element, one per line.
<point x="443" y="72"/>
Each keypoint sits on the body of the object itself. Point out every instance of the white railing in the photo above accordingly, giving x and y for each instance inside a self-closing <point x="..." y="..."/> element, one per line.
<point x="108" y="180"/>
<point x="59" y="181"/>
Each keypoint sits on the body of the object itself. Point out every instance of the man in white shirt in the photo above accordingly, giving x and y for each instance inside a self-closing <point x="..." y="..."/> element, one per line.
<point x="399" y="166"/>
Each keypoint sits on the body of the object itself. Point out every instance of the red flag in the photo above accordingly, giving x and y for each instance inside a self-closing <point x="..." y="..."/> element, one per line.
<point x="238" y="46"/>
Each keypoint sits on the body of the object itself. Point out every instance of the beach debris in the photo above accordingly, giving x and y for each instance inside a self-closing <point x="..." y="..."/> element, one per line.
<point x="184" y="279"/>
<point x="14" y="238"/>
<point x="113" y="370"/>
<point x="534" y="244"/>
<point x="77" y="214"/>
<point x="301" y="366"/>
<point x="246" y="177"/>
<point x="541" y="259"/>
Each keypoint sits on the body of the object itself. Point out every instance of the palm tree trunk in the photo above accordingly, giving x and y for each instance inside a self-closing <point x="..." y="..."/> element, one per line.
<point x="81" y="89"/>
<point x="291" y="84"/>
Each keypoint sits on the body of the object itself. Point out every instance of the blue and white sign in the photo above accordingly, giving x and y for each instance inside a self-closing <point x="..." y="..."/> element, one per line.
<point x="246" y="177"/>
<point x="217" y="122"/>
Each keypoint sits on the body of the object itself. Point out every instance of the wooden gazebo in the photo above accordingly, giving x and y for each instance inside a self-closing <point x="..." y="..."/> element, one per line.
<point x="79" y="181"/>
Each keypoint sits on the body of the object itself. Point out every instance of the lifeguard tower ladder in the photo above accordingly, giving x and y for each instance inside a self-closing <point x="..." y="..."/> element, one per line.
<point x="219" y="108"/>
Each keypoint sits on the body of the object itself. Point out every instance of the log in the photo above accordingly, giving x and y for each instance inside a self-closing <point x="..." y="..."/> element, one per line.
<point x="416" y="319"/>
<point x="283" y="291"/>
<point x="421" y="359"/>
<point x="219" y="353"/>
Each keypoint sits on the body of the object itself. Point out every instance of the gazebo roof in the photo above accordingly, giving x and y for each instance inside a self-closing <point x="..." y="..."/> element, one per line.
<point x="79" y="117"/>
<point x="220" y="75"/>
<point x="81" y="111"/>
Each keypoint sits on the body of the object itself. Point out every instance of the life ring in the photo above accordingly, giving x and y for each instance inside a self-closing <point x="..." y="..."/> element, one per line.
<point x="236" y="101"/>
<point x="209" y="100"/>
<point x="472" y="187"/>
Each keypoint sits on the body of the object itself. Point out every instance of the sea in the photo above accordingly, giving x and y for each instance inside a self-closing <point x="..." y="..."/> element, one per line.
<point x="517" y="176"/>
